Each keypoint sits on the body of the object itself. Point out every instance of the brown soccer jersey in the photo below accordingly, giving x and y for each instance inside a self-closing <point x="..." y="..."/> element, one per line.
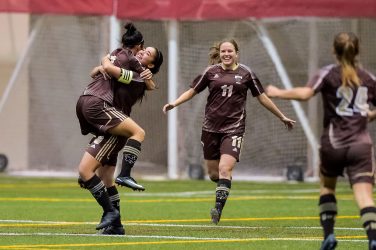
<point x="225" y="108"/>
<point x="345" y="108"/>
<point x="104" y="89"/>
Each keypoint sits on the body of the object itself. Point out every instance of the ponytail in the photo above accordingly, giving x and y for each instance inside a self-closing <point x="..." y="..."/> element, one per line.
<point x="214" y="57"/>
<point x="132" y="37"/>
<point x="346" y="46"/>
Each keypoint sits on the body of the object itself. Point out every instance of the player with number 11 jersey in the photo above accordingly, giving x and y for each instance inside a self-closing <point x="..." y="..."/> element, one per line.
<point x="225" y="109"/>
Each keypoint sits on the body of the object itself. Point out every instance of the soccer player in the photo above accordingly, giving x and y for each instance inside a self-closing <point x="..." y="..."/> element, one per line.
<point x="100" y="112"/>
<point x="346" y="90"/>
<point x="224" y="124"/>
<point x="133" y="40"/>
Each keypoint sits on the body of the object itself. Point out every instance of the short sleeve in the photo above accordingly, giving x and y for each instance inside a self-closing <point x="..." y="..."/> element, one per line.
<point x="255" y="85"/>
<point x="195" y="81"/>
<point x="317" y="80"/>
<point x="201" y="82"/>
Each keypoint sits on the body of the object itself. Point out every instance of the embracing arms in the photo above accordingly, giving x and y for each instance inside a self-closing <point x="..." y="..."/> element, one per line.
<point x="124" y="75"/>
<point x="109" y="70"/>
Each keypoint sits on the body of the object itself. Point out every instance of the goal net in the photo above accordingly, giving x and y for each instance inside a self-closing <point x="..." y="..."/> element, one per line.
<point x="67" y="47"/>
<point x="268" y="148"/>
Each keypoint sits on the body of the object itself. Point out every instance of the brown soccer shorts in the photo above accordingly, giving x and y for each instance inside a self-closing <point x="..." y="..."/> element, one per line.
<point x="356" y="159"/>
<point x="217" y="144"/>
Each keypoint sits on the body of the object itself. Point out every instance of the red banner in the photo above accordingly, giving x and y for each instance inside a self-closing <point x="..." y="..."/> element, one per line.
<point x="196" y="9"/>
<point x="242" y="9"/>
<point x="67" y="7"/>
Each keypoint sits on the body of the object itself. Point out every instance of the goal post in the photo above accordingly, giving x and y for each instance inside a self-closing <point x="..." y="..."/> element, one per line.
<point x="286" y="82"/>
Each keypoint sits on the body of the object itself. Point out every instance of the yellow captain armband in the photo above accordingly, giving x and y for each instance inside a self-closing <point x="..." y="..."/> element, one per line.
<point x="125" y="76"/>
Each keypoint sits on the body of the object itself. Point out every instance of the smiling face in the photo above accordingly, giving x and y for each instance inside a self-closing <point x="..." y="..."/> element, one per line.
<point x="147" y="57"/>
<point x="228" y="55"/>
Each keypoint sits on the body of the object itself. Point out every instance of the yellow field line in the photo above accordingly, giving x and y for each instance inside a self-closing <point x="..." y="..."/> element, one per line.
<point x="172" y="242"/>
<point x="175" y="220"/>
<point x="243" y="198"/>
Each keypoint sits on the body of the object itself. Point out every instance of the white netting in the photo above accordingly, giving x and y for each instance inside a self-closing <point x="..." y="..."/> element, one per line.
<point x="65" y="50"/>
<point x="67" y="47"/>
<point x="268" y="147"/>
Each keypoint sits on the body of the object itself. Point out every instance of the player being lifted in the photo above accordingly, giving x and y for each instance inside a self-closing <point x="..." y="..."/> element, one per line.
<point x="223" y="128"/>
<point x="346" y="90"/>
<point x="103" y="110"/>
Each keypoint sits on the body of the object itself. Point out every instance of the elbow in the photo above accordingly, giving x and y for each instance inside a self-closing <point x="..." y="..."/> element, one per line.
<point x="106" y="67"/>
<point x="307" y="95"/>
<point x="304" y="98"/>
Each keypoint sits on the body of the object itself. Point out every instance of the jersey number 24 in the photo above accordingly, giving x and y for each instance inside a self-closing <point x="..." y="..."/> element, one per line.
<point x="360" y="102"/>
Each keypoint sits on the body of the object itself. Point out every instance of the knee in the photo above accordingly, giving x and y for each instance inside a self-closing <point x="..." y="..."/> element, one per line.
<point x="224" y="172"/>
<point x="81" y="182"/>
<point x="213" y="175"/>
<point x="140" y="135"/>
<point x="85" y="172"/>
<point x="82" y="172"/>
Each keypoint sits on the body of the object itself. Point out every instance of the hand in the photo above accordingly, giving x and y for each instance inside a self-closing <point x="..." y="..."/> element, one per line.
<point x="271" y="91"/>
<point x="288" y="123"/>
<point x="104" y="73"/>
<point x="146" y="74"/>
<point x="167" y="107"/>
<point x="371" y="115"/>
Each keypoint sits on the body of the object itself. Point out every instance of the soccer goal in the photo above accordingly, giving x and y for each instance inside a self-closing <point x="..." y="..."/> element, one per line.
<point x="284" y="52"/>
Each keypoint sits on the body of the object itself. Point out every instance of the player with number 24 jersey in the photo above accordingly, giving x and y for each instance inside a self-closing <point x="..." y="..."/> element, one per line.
<point x="345" y="108"/>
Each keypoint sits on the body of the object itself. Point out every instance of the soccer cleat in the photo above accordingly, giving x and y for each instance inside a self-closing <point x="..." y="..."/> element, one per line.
<point x="215" y="215"/>
<point x="329" y="243"/>
<point x="113" y="230"/>
<point x="108" y="218"/>
<point x="372" y="245"/>
<point x="129" y="182"/>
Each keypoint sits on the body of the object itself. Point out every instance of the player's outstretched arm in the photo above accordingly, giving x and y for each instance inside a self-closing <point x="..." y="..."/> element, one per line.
<point x="269" y="104"/>
<point x="186" y="96"/>
<point x="298" y="94"/>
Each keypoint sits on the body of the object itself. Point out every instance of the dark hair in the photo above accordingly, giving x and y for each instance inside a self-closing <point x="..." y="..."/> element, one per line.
<point x="132" y="37"/>
<point x="158" y="60"/>
<point x="346" y="47"/>
<point x="232" y="41"/>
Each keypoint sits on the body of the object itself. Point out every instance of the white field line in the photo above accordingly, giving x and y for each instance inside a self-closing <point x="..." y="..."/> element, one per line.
<point x="178" y="237"/>
<point x="174" y="225"/>
<point x="127" y="236"/>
